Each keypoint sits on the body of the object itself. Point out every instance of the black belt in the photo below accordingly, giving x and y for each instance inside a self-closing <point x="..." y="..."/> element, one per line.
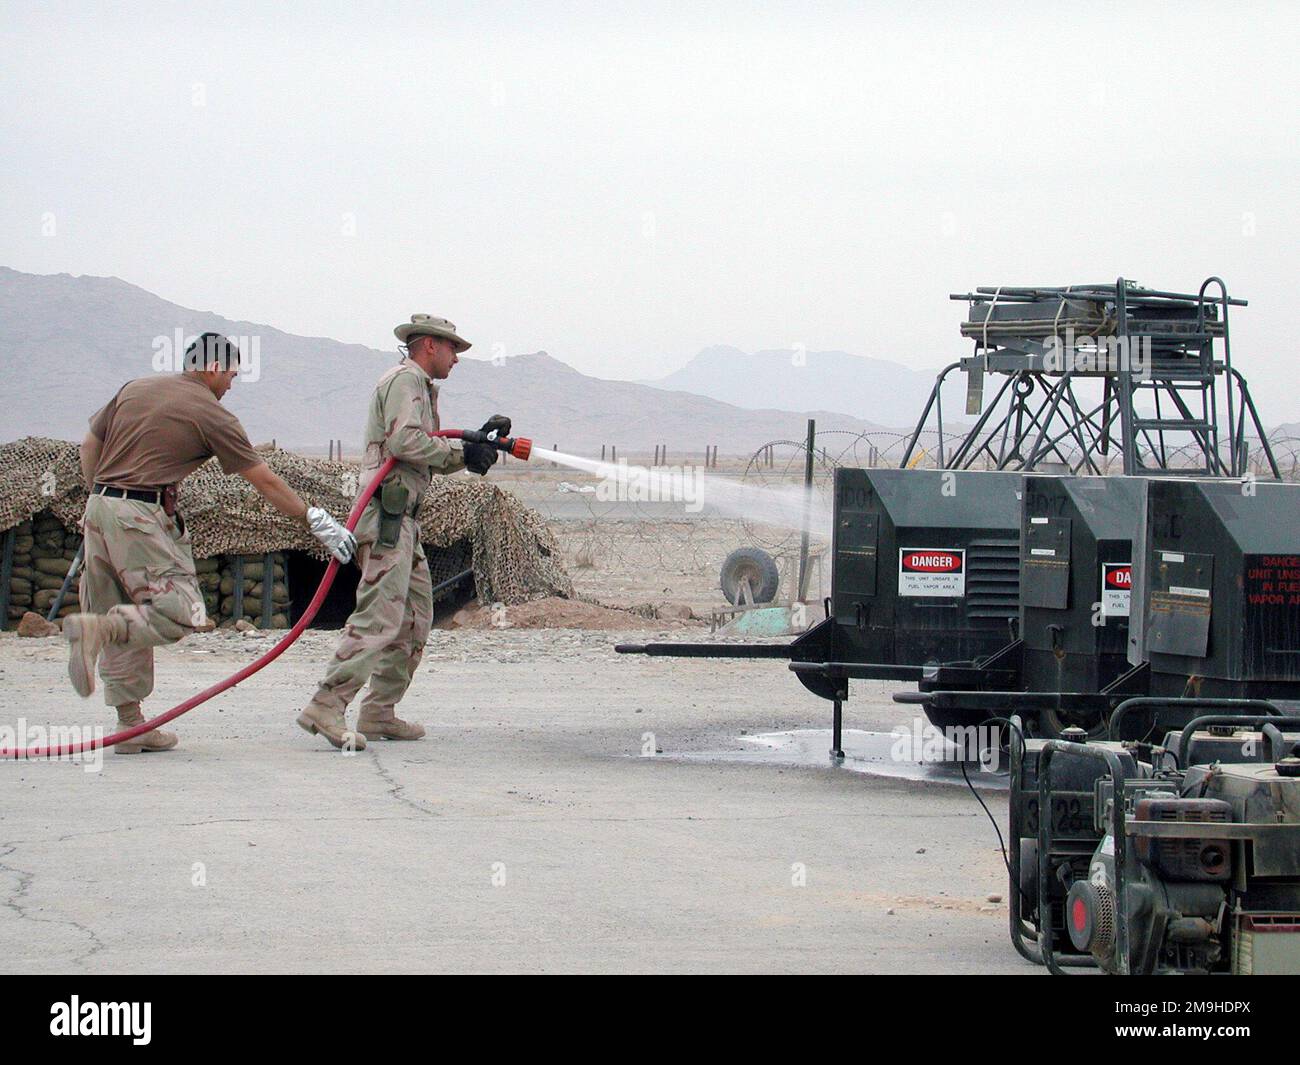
<point x="140" y="495"/>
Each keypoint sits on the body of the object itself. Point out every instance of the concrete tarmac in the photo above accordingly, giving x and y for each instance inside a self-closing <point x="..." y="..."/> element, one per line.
<point x="535" y="829"/>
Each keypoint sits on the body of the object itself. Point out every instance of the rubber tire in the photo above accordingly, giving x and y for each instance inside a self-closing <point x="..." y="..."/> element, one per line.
<point x="764" y="577"/>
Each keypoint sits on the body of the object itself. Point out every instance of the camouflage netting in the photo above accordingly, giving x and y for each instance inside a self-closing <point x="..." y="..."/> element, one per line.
<point x="515" y="556"/>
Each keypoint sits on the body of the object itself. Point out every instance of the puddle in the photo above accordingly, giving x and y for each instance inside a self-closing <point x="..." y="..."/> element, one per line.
<point x="873" y="753"/>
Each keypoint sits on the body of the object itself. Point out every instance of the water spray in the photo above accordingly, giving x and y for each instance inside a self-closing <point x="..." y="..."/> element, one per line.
<point x="786" y="508"/>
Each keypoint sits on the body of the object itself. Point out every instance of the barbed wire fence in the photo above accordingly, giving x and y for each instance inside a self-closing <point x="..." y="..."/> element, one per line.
<point x="632" y="535"/>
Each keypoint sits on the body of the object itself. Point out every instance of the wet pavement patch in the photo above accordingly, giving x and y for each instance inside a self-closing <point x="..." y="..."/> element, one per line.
<point x="882" y="754"/>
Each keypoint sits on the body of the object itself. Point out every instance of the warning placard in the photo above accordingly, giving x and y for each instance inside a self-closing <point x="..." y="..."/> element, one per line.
<point x="932" y="571"/>
<point x="1273" y="580"/>
<point x="1116" y="589"/>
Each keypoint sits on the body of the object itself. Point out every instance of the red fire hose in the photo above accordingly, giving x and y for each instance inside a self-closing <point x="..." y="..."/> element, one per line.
<point x="517" y="446"/>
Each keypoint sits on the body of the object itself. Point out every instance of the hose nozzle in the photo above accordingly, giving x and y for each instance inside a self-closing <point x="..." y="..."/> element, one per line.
<point x="519" y="446"/>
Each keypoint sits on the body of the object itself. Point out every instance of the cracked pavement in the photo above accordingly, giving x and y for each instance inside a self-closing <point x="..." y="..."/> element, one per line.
<point x="526" y="832"/>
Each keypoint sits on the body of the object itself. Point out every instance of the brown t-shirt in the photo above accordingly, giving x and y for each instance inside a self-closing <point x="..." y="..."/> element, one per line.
<point x="158" y="430"/>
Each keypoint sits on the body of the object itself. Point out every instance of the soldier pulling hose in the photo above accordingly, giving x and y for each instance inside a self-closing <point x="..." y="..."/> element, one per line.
<point x="139" y="586"/>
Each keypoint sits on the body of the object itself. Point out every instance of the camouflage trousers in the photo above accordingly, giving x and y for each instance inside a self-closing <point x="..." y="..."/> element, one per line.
<point x="384" y="638"/>
<point x="138" y="567"/>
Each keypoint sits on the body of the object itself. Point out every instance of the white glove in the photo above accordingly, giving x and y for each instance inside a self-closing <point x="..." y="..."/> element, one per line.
<point x="338" y="541"/>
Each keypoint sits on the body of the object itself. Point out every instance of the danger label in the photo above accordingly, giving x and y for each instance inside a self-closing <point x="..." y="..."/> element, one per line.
<point x="932" y="571"/>
<point x="1116" y="589"/>
<point x="1273" y="580"/>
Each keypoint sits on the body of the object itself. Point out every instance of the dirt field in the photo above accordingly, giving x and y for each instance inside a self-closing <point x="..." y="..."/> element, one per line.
<point x="571" y="810"/>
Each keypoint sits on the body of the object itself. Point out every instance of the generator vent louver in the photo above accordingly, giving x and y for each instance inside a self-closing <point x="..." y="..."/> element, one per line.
<point x="993" y="579"/>
<point x="1214" y="816"/>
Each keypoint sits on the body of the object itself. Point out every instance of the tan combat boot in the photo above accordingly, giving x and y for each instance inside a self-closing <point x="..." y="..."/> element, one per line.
<point x="87" y="635"/>
<point x="385" y="725"/>
<point x="332" y="725"/>
<point x="129" y="715"/>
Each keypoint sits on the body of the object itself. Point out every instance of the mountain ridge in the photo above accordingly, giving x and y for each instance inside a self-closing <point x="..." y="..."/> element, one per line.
<point x="304" y="391"/>
<point x="880" y="391"/>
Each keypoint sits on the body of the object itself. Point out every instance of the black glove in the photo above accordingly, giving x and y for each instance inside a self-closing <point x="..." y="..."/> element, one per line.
<point x="500" y="423"/>
<point x="479" y="458"/>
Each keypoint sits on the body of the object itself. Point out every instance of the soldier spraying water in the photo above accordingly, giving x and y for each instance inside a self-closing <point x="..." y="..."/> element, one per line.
<point x="384" y="638"/>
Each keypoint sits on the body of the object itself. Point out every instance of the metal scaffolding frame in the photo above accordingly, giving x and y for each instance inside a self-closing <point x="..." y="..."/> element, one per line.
<point x="1043" y="342"/>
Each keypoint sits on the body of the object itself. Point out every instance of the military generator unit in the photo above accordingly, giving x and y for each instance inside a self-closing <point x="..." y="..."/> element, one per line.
<point x="1176" y="857"/>
<point x="1211" y="611"/>
<point x="983" y="583"/>
<point x="1100" y="566"/>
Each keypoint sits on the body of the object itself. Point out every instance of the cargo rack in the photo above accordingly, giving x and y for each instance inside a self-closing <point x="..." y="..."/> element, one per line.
<point x="1044" y="342"/>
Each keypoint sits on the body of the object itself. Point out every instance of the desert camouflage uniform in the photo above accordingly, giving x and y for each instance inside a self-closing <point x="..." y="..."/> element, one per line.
<point x="139" y="571"/>
<point x="384" y="638"/>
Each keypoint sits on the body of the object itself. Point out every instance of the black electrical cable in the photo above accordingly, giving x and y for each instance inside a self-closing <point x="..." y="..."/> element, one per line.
<point x="1006" y="861"/>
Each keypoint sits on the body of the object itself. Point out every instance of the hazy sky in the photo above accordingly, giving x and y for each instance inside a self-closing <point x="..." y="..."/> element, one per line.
<point x="623" y="185"/>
